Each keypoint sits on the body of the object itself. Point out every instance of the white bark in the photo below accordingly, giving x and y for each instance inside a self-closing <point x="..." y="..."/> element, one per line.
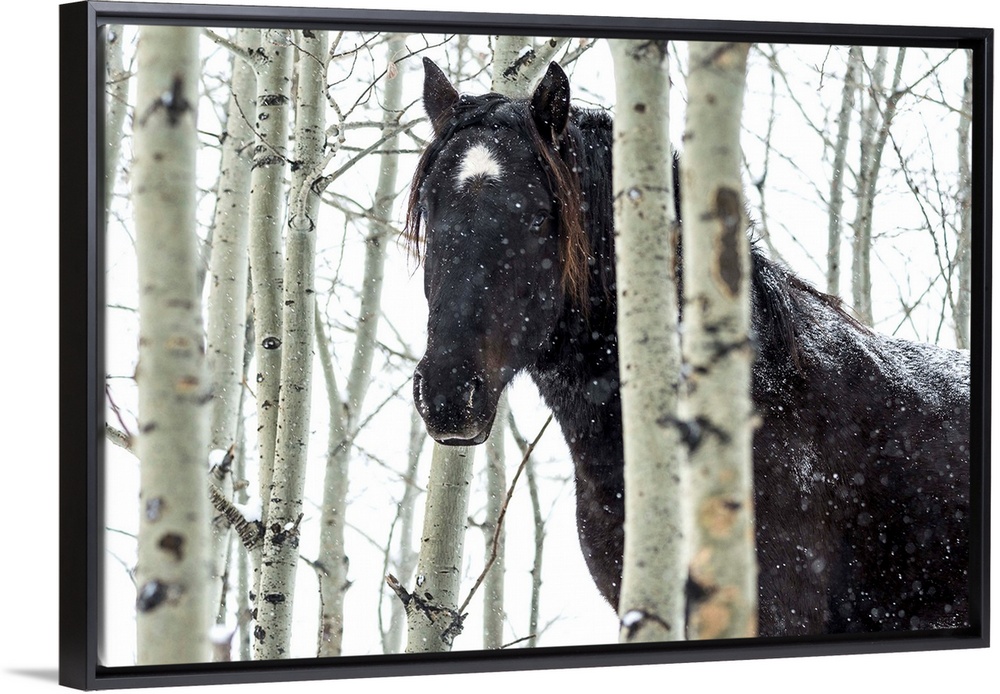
<point x="345" y="415"/>
<point x="861" y="249"/>
<point x="717" y="352"/>
<point x="852" y="76"/>
<point x="266" y="214"/>
<point x="963" y="303"/>
<point x="117" y="80"/>
<point x="651" y="606"/>
<point x="227" y="296"/>
<point x="406" y="562"/>
<point x="539" y="533"/>
<point x="875" y="126"/>
<point x="496" y="490"/>
<point x="172" y="571"/>
<point x="244" y="571"/>
<point x="281" y="542"/>
<point x="518" y="62"/>
<point x="375" y="244"/>
<point x="332" y="562"/>
<point x="431" y="609"/>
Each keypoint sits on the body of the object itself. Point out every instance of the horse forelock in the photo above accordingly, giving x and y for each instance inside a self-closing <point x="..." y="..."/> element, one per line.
<point x="468" y="111"/>
<point x="561" y="161"/>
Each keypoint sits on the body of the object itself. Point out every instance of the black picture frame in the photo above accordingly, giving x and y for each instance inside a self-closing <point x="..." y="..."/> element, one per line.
<point x="81" y="350"/>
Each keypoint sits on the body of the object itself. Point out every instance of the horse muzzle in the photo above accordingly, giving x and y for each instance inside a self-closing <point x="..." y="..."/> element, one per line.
<point x="457" y="411"/>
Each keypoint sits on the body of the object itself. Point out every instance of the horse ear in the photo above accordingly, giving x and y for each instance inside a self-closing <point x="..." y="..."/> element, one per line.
<point x="550" y="103"/>
<point x="439" y="95"/>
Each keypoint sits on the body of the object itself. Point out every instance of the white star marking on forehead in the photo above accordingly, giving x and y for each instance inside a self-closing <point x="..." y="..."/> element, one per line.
<point x="478" y="161"/>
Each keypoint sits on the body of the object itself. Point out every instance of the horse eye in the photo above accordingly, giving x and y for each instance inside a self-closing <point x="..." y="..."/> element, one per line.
<point x="539" y="219"/>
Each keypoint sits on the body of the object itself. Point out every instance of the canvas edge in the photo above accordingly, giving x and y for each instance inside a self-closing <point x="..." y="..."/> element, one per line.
<point x="78" y="360"/>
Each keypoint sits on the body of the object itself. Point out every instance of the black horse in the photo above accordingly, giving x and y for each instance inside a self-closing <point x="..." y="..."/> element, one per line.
<point x="861" y="465"/>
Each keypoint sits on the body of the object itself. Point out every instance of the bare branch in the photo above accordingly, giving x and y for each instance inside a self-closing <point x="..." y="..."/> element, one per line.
<point x="251" y="532"/>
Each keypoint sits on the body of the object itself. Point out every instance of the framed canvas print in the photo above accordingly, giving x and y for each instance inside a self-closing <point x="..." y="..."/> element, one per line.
<point x="422" y="342"/>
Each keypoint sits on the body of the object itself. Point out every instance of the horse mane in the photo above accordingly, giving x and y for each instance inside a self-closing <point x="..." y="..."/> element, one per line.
<point x="595" y="128"/>
<point x="787" y="305"/>
<point x="561" y="161"/>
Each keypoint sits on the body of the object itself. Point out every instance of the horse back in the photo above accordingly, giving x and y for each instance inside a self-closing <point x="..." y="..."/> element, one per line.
<point x="861" y="471"/>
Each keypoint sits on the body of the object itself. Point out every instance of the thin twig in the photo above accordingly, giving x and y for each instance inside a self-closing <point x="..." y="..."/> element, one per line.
<point x="118" y="437"/>
<point x="251" y="532"/>
<point x="517" y="641"/>
<point x="118" y="413"/>
<point x="348" y="439"/>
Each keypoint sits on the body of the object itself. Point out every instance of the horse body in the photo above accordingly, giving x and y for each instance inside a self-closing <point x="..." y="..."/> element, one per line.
<point x="861" y="467"/>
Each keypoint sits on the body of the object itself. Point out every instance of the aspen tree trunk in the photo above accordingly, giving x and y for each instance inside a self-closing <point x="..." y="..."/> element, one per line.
<point x="518" y="63"/>
<point x="281" y="541"/>
<point x="874" y="133"/>
<point x="716" y="347"/>
<point x="392" y="642"/>
<point x="172" y="572"/>
<point x="247" y="572"/>
<point x="539" y="526"/>
<point x="496" y="491"/>
<point x="345" y="414"/>
<point x="852" y="78"/>
<point x="963" y="303"/>
<point x="117" y="80"/>
<point x="860" y="262"/>
<point x="227" y="298"/>
<point x="536" y="563"/>
<point x="244" y="572"/>
<point x="375" y="245"/>
<point x="431" y="609"/>
<point x="507" y="78"/>
<point x="274" y="79"/>
<point x="333" y="519"/>
<point x="651" y="606"/>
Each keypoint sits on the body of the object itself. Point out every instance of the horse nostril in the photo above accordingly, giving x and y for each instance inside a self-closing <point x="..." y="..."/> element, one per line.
<point x="418" y="388"/>
<point x="474" y="385"/>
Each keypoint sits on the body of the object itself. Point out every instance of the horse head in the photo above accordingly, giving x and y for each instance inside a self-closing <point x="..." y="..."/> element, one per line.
<point x="497" y="202"/>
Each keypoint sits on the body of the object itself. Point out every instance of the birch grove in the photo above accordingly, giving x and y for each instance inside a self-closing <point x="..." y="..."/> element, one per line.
<point x="271" y="491"/>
